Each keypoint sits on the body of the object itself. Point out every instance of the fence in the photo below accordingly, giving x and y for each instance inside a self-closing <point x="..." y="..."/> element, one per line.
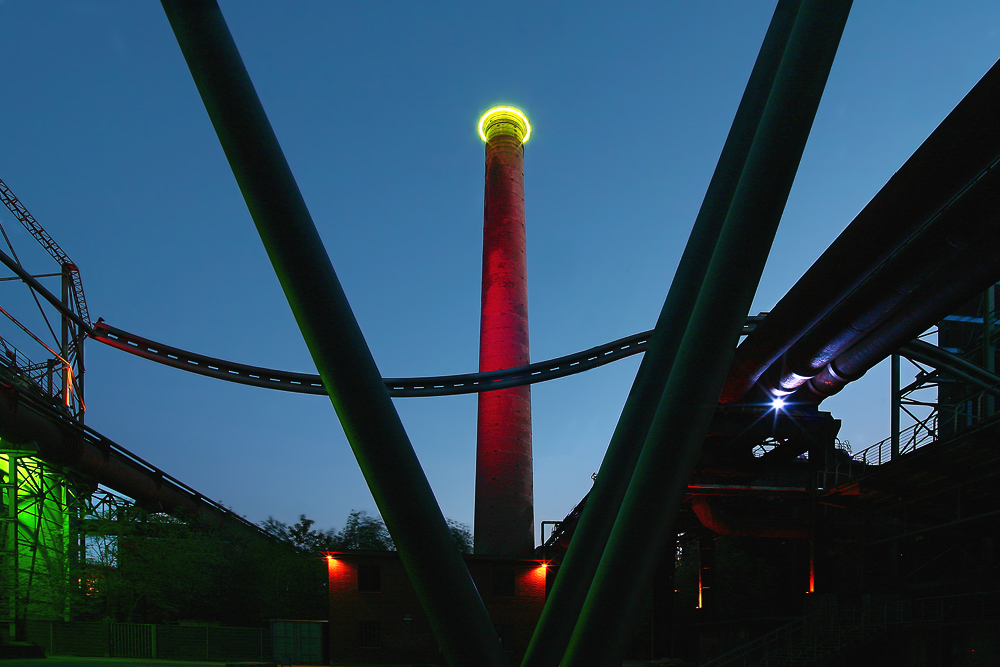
<point x="956" y="419"/>
<point x="139" y="640"/>
<point x="825" y="631"/>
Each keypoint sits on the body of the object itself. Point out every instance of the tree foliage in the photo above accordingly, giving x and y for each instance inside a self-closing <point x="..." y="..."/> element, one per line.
<point x="462" y="535"/>
<point x="363" y="533"/>
<point x="360" y="533"/>
<point x="153" y="568"/>
<point x="301" y="535"/>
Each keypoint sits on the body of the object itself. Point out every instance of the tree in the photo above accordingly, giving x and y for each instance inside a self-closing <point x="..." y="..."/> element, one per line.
<point x="301" y="535"/>
<point x="363" y="533"/>
<point x="360" y="533"/>
<point x="462" y="535"/>
<point x="154" y="568"/>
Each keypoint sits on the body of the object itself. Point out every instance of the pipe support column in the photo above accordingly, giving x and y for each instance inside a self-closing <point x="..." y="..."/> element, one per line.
<point x="552" y="633"/>
<point x="384" y="453"/>
<point x="691" y="394"/>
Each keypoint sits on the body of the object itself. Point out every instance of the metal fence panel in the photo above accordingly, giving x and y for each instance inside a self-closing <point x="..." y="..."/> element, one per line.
<point x="144" y="641"/>
<point x="181" y="642"/>
<point x="298" y="642"/>
<point x="80" y="638"/>
<point x="39" y="632"/>
<point x="233" y="644"/>
<point x="132" y="640"/>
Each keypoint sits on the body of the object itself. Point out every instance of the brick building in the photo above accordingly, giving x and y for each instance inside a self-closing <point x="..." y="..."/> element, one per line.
<point x="375" y="616"/>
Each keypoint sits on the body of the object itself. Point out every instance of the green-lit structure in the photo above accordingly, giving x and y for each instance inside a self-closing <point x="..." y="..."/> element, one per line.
<point x="41" y="544"/>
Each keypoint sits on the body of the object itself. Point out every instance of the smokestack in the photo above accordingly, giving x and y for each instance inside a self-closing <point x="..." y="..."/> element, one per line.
<point x="504" y="519"/>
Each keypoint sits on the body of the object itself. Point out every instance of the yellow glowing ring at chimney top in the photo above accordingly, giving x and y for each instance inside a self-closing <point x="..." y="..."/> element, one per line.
<point x="496" y="111"/>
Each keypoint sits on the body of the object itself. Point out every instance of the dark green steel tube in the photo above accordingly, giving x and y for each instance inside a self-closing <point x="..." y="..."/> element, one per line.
<point x="646" y="518"/>
<point x="384" y="453"/>
<point x="548" y="643"/>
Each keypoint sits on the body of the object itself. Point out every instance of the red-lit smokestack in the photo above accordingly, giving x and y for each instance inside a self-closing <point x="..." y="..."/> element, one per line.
<point x="504" y="519"/>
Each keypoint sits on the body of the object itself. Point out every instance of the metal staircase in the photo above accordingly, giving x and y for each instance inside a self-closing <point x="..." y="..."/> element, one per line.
<point x="821" y="634"/>
<point x="828" y="632"/>
<point x="14" y="205"/>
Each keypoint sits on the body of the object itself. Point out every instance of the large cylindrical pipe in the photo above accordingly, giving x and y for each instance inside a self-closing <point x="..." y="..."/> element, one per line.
<point x="739" y="523"/>
<point x="504" y="519"/>
<point x="950" y="240"/>
<point x="972" y="273"/>
<point x="597" y="516"/>
<point x="951" y="364"/>
<point x="20" y="424"/>
<point x="401" y="491"/>
<point x="690" y="397"/>
<point x="966" y="143"/>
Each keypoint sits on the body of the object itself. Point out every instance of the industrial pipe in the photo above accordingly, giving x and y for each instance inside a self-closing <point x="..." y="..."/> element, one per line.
<point x="952" y="364"/>
<point x="949" y="240"/>
<point x="962" y="147"/>
<point x="63" y="444"/>
<point x="973" y="273"/>
<point x="703" y="359"/>
<point x="373" y="428"/>
<point x="576" y="572"/>
<point x="742" y="523"/>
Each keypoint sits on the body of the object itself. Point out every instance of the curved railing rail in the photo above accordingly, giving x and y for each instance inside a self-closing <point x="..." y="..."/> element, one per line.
<point x="442" y="385"/>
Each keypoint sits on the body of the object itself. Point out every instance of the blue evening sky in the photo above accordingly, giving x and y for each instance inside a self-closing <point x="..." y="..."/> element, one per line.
<point x="106" y="141"/>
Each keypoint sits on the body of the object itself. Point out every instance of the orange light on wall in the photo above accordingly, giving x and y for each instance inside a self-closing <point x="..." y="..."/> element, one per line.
<point x="701" y="589"/>
<point x="812" y="566"/>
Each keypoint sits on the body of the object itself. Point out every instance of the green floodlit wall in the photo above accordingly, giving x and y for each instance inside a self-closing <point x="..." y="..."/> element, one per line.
<point x="36" y="539"/>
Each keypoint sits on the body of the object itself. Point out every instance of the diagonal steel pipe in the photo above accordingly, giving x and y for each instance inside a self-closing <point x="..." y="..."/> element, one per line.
<point x="338" y="348"/>
<point x="576" y="572"/>
<point x="689" y="399"/>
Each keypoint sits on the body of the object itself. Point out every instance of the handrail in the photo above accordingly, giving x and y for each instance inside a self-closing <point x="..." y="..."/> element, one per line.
<point x="102" y="442"/>
<point x="442" y="385"/>
<point x="962" y="416"/>
<point x="744" y="652"/>
<point x="855" y="623"/>
<point x="970" y="412"/>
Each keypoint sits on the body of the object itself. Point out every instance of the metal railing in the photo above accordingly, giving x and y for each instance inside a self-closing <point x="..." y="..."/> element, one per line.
<point x="146" y="641"/>
<point x="45" y="378"/>
<point x="820" y="633"/>
<point x="956" y="419"/>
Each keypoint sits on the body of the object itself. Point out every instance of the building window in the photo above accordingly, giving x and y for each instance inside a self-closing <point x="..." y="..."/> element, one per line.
<point x="505" y="631"/>
<point x="369" y="577"/>
<point x="503" y="582"/>
<point x="369" y="634"/>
